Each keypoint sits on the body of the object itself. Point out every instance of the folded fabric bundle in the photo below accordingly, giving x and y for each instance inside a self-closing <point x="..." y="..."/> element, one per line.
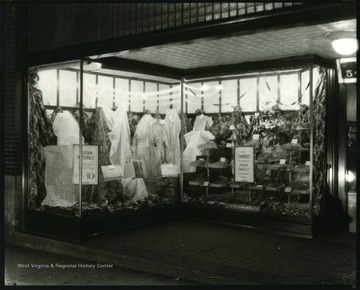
<point x="135" y="189"/>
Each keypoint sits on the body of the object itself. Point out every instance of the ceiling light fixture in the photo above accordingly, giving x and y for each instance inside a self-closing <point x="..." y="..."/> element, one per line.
<point x="343" y="42"/>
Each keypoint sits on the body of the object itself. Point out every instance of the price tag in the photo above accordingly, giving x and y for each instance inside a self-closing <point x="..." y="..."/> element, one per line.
<point x="259" y="186"/>
<point x="206" y="183"/>
<point x="222" y="159"/>
<point x="162" y="122"/>
<point x="111" y="167"/>
<point x="256" y="137"/>
<point x="267" y="150"/>
<point x="288" y="189"/>
<point x="228" y="145"/>
<point x="282" y="161"/>
<point x="307" y="163"/>
<point x="232" y="127"/>
<point x="294" y="141"/>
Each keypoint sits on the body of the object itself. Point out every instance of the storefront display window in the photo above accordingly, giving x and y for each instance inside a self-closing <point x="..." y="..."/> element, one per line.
<point x="130" y="144"/>
<point x="265" y="157"/>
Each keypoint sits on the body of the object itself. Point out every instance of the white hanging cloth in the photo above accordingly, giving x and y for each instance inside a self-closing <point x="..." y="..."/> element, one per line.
<point x="198" y="136"/>
<point x="66" y="128"/>
<point x="144" y="149"/>
<point x="173" y="128"/>
<point x="119" y="137"/>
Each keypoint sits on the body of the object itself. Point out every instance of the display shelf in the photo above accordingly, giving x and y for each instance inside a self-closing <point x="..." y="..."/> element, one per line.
<point x="275" y="188"/>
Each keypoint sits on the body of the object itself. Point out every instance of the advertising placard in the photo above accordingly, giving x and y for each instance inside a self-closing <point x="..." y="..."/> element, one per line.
<point x="90" y="174"/>
<point x="244" y="164"/>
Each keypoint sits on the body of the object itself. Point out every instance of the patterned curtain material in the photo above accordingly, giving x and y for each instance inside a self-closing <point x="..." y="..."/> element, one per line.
<point x="319" y="123"/>
<point x="41" y="134"/>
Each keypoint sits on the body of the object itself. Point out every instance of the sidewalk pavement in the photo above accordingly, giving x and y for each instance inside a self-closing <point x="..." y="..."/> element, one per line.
<point x="214" y="254"/>
<point x="28" y="267"/>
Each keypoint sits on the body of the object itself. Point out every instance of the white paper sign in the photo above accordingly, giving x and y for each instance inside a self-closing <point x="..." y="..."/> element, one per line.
<point x="294" y="141"/>
<point x="228" y="145"/>
<point x="256" y="137"/>
<point x="307" y="163"/>
<point x="282" y="161"/>
<point x="90" y="174"/>
<point x="287" y="189"/>
<point x="244" y="164"/>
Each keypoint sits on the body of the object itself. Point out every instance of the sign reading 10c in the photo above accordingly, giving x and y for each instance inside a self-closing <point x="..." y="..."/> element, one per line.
<point x="244" y="164"/>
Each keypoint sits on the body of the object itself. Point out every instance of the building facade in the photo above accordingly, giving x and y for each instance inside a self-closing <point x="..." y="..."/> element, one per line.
<point x="199" y="42"/>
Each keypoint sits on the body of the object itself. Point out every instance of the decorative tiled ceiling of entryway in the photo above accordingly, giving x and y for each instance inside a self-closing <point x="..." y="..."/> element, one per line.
<point x="265" y="45"/>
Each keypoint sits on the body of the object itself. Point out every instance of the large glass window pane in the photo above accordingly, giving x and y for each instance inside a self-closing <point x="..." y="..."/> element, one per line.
<point x="89" y="90"/>
<point x="211" y="97"/>
<point x="105" y="90"/>
<point x="289" y="92"/>
<point x="52" y="134"/>
<point x="229" y="95"/>
<point x="305" y="88"/>
<point x="164" y="98"/>
<point x="194" y="97"/>
<point x="48" y="86"/>
<point x="268" y="91"/>
<point x="121" y="92"/>
<point x="68" y="88"/>
<point x="151" y="99"/>
<point x="248" y="94"/>
<point x="137" y="99"/>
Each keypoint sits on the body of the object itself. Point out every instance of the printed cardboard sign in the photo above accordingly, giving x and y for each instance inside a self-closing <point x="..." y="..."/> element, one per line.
<point x="244" y="164"/>
<point x="90" y="174"/>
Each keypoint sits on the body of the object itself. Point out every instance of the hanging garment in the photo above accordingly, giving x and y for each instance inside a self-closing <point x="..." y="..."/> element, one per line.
<point x="60" y="190"/>
<point x="160" y="140"/>
<point x="194" y="139"/>
<point x="66" y="129"/>
<point x="85" y="128"/>
<point x="100" y="121"/>
<point x="144" y="149"/>
<point x="41" y="134"/>
<point x="173" y="128"/>
<point x="119" y="136"/>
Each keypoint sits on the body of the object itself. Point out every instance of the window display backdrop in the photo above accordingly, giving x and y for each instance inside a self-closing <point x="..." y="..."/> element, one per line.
<point x="281" y="115"/>
<point x="128" y="138"/>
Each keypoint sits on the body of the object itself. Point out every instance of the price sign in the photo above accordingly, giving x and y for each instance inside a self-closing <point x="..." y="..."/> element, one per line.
<point x="347" y="70"/>
<point x="307" y="163"/>
<point x="206" y="183"/>
<point x="256" y="137"/>
<point x="228" y="145"/>
<point x="294" y="141"/>
<point x="244" y="164"/>
<point x="89" y="164"/>
<point x="282" y="161"/>
<point x="287" y="189"/>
